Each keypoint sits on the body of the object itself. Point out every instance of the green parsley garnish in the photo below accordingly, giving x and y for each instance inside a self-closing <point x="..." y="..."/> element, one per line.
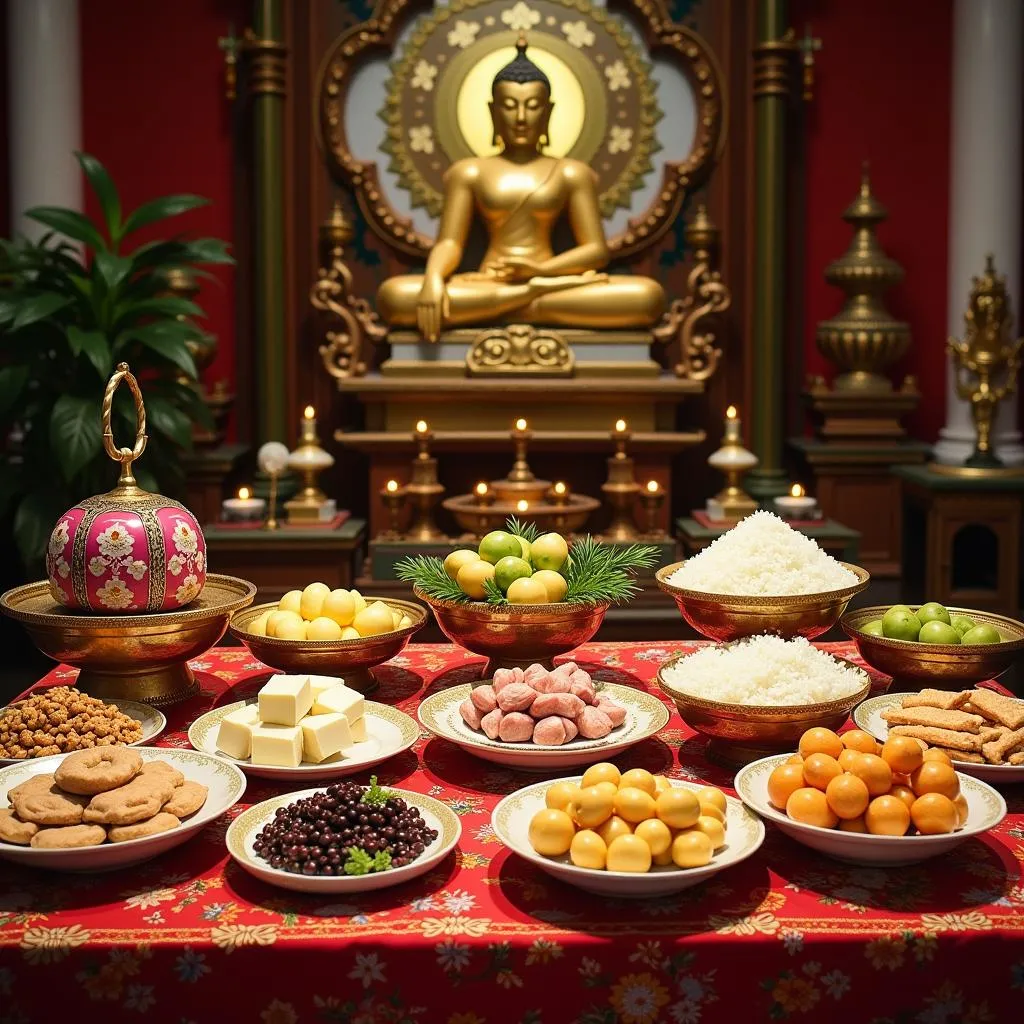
<point x="376" y="796"/>
<point x="359" y="862"/>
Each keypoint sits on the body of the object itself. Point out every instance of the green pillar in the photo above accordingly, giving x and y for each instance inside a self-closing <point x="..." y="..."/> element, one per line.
<point x="772" y="72"/>
<point x="267" y="81"/>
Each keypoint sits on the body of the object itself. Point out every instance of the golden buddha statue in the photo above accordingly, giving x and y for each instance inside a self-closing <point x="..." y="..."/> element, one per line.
<point x="520" y="194"/>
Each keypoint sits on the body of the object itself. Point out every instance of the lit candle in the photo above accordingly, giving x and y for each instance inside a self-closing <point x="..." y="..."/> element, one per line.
<point x="732" y="426"/>
<point x="652" y="487"/>
<point x="391" y="486"/>
<point x="560" y="493"/>
<point x="244" y="508"/>
<point x="620" y="426"/>
<point x="421" y="427"/>
<point x="482" y="494"/>
<point x="522" y="505"/>
<point x="307" y="429"/>
<point x="796" y="504"/>
<point x="309" y="412"/>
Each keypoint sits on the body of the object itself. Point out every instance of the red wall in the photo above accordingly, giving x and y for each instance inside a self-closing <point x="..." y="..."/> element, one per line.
<point x="882" y="93"/>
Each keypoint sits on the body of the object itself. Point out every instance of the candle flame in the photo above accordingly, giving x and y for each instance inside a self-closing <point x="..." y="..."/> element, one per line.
<point x="391" y="486"/>
<point x="421" y="426"/>
<point x="620" y="426"/>
<point x="730" y="413"/>
<point x="521" y="424"/>
<point x="243" y="493"/>
<point x="560" y="488"/>
<point x="796" y="491"/>
<point x="309" y="412"/>
<point x="481" y="488"/>
<point x="652" y="486"/>
<point x="522" y="505"/>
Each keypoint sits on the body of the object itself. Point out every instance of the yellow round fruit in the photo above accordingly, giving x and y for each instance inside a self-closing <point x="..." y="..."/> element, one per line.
<point x="291" y="602"/>
<point x="554" y="583"/>
<point x="340" y="606"/>
<point x="457" y="559"/>
<point x="713" y="829"/>
<point x="629" y="853"/>
<point x="678" y="807"/>
<point x="373" y="621"/>
<point x="962" y="810"/>
<point x="588" y="850"/>
<point x="887" y="816"/>
<point x="323" y="628"/>
<point x="662" y="860"/>
<point x="292" y="628"/>
<point x="526" y="590"/>
<point x="350" y="633"/>
<point x="594" y="807"/>
<point x="613" y="828"/>
<point x="279" y="619"/>
<point x="472" y="576"/>
<point x="549" y="551"/>
<point x="601" y="772"/>
<point x="641" y="778"/>
<point x="634" y="805"/>
<point x="934" y="814"/>
<point x="661" y="784"/>
<point x="715" y="797"/>
<point x="404" y="622"/>
<point x="312" y="601"/>
<point x="785" y="780"/>
<point x="396" y="618"/>
<point x="358" y="600"/>
<point x="607" y="787"/>
<point x="258" y="626"/>
<point x="712" y="811"/>
<point x="551" y="832"/>
<point x="656" y="834"/>
<point x="692" y="850"/>
<point x="561" y="795"/>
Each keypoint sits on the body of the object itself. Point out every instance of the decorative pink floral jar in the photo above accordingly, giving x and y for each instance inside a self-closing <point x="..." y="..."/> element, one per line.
<point x="126" y="551"/>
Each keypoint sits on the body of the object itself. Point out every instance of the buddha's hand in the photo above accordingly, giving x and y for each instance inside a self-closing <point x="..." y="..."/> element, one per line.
<point x="516" y="268"/>
<point x="430" y="307"/>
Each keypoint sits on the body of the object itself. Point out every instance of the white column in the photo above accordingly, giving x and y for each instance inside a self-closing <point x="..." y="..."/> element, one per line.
<point x="45" y="107"/>
<point x="986" y="181"/>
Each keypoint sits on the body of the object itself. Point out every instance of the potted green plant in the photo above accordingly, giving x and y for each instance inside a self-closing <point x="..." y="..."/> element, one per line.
<point x="68" y="314"/>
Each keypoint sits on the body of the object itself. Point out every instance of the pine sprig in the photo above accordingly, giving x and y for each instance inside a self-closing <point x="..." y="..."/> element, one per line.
<point x="601" y="572"/>
<point x="427" y="573"/>
<point x="494" y="594"/>
<point x="528" y="531"/>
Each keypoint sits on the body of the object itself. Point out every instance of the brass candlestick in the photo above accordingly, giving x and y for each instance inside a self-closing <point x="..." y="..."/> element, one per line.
<point x="424" y="489"/>
<point x="309" y="460"/>
<point x="731" y="503"/>
<point x="621" y="488"/>
<point x="393" y="497"/>
<point x="652" y="497"/>
<point x="520" y="482"/>
<point x="272" y="459"/>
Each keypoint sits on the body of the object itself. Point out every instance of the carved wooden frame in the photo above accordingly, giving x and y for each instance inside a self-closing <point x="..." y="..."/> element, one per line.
<point x="377" y="37"/>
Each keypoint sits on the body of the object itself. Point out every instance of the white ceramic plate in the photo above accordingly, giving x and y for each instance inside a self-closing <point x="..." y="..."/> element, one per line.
<point x="511" y="822"/>
<point x="388" y="732"/>
<point x="645" y="715"/>
<point x="224" y="781"/>
<point x="153" y="723"/>
<point x="986" y="808"/>
<point x="246" y="827"/>
<point x="868" y="716"/>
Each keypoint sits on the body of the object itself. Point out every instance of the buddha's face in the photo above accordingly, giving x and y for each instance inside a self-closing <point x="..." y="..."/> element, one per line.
<point x="521" y="112"/>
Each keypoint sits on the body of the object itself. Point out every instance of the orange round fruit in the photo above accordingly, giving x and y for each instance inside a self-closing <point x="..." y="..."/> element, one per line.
<point x="794" y="759"/>
<point x="859" y="740"/>
<point x="783" y="781"/>
<point x="934" y="814"/>
<point x="810" y="807"/>
<point x="887" y="816"/>
<point x="847" y="757"/>
<point x="634" y="804"/>
<point x="820" y="741"/>
<point x="904" y="793"/>
<point x="875" y="772"/>
<point x="935" y="777"/>
<point x="612" y="828"/>
<point x="640" y="778"/>
<point x="902" y="754"/>
<point x="960" y="803"/>
<point x="848" y="796"/>
<point x="820" y="769"/>
<point x="853" y="825"/>
<point x="934" y="754"/>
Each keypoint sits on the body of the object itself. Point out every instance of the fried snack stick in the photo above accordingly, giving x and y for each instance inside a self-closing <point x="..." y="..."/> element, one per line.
<point x="962" y="755"/>
<point x="958" y="721"/>
<point x="937" y="699"/>
<point x="939" y="737"/>
<point x="997" y="708"/>
<point x="1017" y="759"/>
<point x="997" y="751"/>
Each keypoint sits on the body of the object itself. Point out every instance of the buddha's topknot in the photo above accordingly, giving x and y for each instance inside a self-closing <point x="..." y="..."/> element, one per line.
<point x="521" y="69"/>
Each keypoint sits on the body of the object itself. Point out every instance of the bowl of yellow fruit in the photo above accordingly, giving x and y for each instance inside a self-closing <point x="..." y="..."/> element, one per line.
<point x="627" y="833"/>
<point x="329" y="632"/>
<point x="520" y="598"/>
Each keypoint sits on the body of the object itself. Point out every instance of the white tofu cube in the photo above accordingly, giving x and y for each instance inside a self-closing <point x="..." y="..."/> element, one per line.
<point x="321" y="684"/>
<point x="358" y="728"/>
<point x="234" y="737"/>
<point x="324" y="735"/>
<point x="285" y="700"/>
<point x="340" y="700"/>
<point x="279" y="746"/>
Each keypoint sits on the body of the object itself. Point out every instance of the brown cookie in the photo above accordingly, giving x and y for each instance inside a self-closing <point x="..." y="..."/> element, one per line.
<point x="69" y="837"/>
<point x="98" y="769"/>
<point x="42" y="802"/>
<point x="165" y="769"/>
<point x="14" y="830"/>
<point x="186" y="799"/>
<point x="162" y="822"/>
<point x="142" y="798"/>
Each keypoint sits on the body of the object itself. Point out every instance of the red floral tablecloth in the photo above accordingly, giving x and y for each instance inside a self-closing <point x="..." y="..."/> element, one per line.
<point x="486" y="938"/>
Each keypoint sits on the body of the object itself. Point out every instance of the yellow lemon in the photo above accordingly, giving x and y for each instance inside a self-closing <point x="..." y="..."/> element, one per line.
<point x="656" y="834"/>
<point x="561" y="795"/>
<point x="258" y="626"/>
<point x="715" y="797"/>
<point x="312" y="602"/>
<point x="340" y="606"/>
<point x="373" y="621"/>
<point x="634" y="805"/>
<point x="588" y="850"/>
<point x="594" y="807"/>
<point x="614" y="827"/>
<point x="291" y="602"/>
<point x="404" y="622"/>
<point x="554" y="583"/>
<point x="551" y="832"/>
<point x="281" y="619"/>
<point x="292" y="628"/>
<point x="526" y="590"/>
<point x="629" y="853"/>
<point x="323" y="628"/>
<point x="678" y="807"/>
<point x="350" y="633"/>
<point x="358" y="600"/>
<point x="456" y="560"/>
<point x="641" y="779"/>
<point x="661" y="783"/>
<point x="602" y="772"/>
<point x="712" y="828"/>
<point x="472" y="577"/>
<point x="692" y="850"/>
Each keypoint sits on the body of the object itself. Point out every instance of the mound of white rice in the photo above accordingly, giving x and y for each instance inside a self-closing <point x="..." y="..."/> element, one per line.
<point x="762" y="556"/>
<point x="765" y="670"/>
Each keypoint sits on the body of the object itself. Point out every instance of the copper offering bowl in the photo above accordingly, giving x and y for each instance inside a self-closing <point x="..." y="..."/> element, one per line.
<point x="939" y="666"/>
<point x="135" y="657"/>
<point x="516" y="635"/>
<point x="351" y="659"/>
<point x="726" y="617"/>
<point x="479" y="519"/>
<point x="741" y="733"/>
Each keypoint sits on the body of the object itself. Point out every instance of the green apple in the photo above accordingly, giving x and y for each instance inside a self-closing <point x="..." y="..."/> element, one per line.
<point x="936" y="632"/>
<point x="873" y="628"/>
<point x="457" y="559"/>
<point x="961" y="623"/>
<point x="549" y="551"/>
<point x="509" y="569"/>
<point x="902" y="608"/>
<point x="933" y="612"/>
<point x="900" y="624"/>
<point x="983" y="633"/>
<point x="498" y="545"/>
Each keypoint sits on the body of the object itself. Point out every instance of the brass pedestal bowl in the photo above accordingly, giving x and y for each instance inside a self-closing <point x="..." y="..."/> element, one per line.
<point x="479" y="519"/>
<point x="134" y="657"/>
<point x="726" y="617"/>
<point x="516" y="635"/>
<point x="938" y="666"/>
<point x="350" y="659"/>
<point x="741" y="733"/>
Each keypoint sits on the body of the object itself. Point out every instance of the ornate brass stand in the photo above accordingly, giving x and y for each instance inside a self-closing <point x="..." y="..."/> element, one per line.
<point x="424" y="489"/>
<point x="621" y="489"/>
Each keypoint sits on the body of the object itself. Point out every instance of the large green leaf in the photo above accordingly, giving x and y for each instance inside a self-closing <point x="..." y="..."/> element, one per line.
<point x="180" y="252"/>
<point x="158" y="209"/>
<point x="32" y="308"/>
<point x="75" y="432"/>
<point x="113" y="269"/>
<point x="12" y="380"/>
<point x="164" y="305"/>
<point x="9" y="302"/>
<point x="106" y="192"/>
<point x="171" y="348"/>
<point x="171" y="421"/>
<point x="33" y="523"/>
<point x="94" y="345"/>
<point x="68" y="222"/>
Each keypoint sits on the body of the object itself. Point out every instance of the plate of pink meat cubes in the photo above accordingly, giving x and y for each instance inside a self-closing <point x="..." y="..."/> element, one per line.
<point x="538" y="719"/>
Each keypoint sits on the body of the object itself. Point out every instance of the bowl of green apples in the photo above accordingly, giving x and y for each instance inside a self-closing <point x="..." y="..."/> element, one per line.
<point x="935" y="645"/>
